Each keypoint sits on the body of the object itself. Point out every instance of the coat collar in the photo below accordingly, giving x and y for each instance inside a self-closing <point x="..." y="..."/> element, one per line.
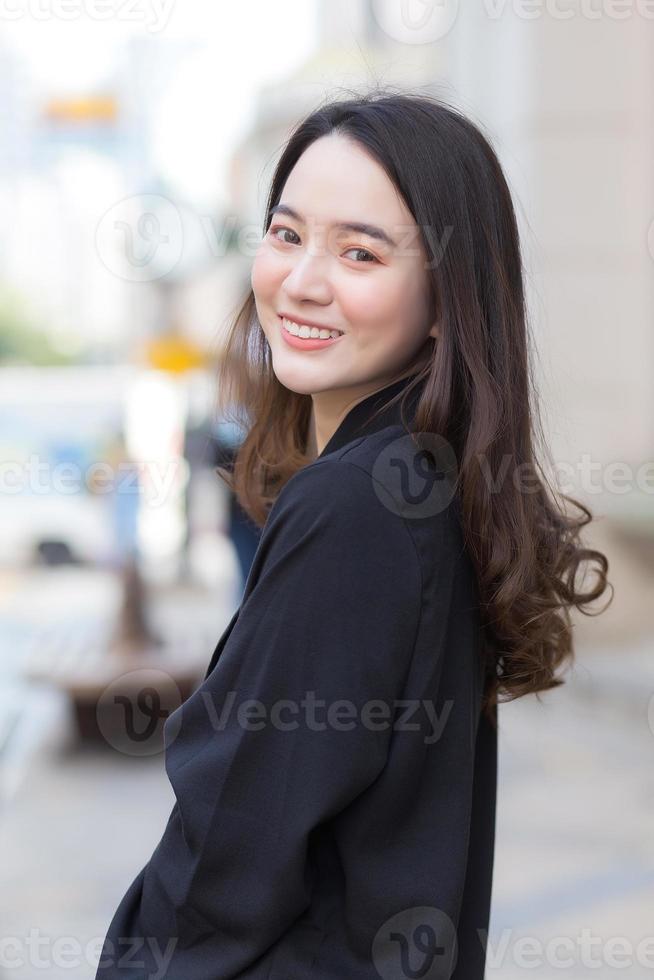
<point x="359" y="422"/>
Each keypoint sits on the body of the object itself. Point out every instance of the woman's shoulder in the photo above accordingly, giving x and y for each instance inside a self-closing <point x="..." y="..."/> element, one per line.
<point x="329" y="525"/>
<point x="333" y="485"/>
<point x="399" y="474"/>
<point x="386" y="484"/>
<point x="337" y="496"/>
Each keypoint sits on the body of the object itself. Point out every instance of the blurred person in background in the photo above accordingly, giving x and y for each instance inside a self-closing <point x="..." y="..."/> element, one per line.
<point x="125" y="500"/>
<point x="243" y="532"/>
<point x="382" y="359"/>
<point x="210" y="444"/>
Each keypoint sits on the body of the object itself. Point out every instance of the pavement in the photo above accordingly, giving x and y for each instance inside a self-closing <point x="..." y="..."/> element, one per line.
<point x="76" y="819"/>
<point x="574" y="865"/>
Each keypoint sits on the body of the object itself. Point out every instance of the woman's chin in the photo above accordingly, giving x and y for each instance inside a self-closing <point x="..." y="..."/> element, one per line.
<point x="303" y="378"/>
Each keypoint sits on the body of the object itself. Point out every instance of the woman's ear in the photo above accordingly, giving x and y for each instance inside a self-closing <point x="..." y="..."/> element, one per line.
<point x="435" y="329"/>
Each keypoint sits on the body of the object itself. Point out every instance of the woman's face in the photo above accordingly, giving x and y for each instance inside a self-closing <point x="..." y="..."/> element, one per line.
<point x="369" y="284"/>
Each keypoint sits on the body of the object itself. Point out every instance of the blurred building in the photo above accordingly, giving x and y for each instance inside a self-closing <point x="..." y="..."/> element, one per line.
<point x="68" y="159"/>
<point x="576" y="140"/>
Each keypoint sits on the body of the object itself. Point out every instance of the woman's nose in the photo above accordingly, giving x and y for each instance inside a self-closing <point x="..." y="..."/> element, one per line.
<point x="309" y="279"/>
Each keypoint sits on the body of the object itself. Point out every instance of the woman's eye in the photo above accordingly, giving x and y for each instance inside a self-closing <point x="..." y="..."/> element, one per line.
<point x="280" y="228"/>
<point x="364" y="251"/>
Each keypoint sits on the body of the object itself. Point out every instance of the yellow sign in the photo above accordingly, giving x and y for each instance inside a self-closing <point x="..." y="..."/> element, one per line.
<point x="96" y="108"/>
<point x="174" y="353"/>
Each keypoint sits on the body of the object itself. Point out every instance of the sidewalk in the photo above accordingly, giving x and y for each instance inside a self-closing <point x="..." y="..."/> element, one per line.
<point x="620" y="678"/>
<point x="76" y="821"/>
<point x="614" y="662"/>
<point x="80" y="826"/>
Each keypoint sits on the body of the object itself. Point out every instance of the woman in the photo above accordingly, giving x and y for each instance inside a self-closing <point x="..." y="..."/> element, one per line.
<point x="340" y="825"/>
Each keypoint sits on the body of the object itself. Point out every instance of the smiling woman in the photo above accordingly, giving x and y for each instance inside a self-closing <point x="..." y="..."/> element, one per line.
<point x="342" y="255"/>
<point x="346" y="829"/>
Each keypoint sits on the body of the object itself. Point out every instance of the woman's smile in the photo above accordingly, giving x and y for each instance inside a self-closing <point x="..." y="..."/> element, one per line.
<point x="303" y="337"/>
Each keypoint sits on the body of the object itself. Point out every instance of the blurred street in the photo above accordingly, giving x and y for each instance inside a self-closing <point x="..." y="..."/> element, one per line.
<point x="575" y="849"/>
<point x="65" y="852"/>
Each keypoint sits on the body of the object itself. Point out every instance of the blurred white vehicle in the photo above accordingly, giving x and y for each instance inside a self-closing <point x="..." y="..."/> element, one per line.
<point x="56" y="425"/>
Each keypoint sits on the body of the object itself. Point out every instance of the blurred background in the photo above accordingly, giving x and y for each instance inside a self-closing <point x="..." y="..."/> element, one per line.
<point x="136" y="144"/>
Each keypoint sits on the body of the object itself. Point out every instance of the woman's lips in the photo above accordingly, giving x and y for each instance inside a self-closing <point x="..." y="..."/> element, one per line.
<point x="306" y="343"/>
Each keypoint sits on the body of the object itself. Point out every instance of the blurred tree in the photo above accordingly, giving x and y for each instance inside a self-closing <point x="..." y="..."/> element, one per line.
<point x="21" y="341"/>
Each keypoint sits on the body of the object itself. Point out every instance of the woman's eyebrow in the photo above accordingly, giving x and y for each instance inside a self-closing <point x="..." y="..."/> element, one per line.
<point x="361" y="227"/>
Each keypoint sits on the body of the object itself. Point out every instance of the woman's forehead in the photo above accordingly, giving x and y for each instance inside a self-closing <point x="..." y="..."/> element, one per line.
<point x="336" y="182"/>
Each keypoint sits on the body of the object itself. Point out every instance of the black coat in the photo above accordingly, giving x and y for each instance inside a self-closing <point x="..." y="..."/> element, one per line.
<point x="341" y="825"/>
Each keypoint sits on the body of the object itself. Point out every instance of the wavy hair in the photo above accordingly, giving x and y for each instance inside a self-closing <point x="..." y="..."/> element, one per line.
<point x="478" y="386"/>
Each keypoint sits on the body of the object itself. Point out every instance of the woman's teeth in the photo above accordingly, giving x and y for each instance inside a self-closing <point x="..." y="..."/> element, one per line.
<point x="302" y="330"/>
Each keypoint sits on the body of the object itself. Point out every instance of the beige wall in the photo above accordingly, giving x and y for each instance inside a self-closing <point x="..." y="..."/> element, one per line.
<point x="572" y="104"/>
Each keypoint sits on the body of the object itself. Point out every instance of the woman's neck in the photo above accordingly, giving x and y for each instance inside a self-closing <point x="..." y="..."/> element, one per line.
<point x="330" y="407"/>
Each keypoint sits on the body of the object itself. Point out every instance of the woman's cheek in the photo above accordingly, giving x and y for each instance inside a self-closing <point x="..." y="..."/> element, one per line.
<point x="361" y="299"/>
<point x="265" y="275"/>
<point x="376" y="305"/>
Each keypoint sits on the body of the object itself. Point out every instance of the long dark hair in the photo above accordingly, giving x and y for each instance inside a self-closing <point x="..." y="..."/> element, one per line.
<point x="478" y="387"/>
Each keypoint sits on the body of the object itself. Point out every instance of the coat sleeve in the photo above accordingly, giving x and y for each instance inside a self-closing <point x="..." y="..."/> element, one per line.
<point x="292" y="724"/>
